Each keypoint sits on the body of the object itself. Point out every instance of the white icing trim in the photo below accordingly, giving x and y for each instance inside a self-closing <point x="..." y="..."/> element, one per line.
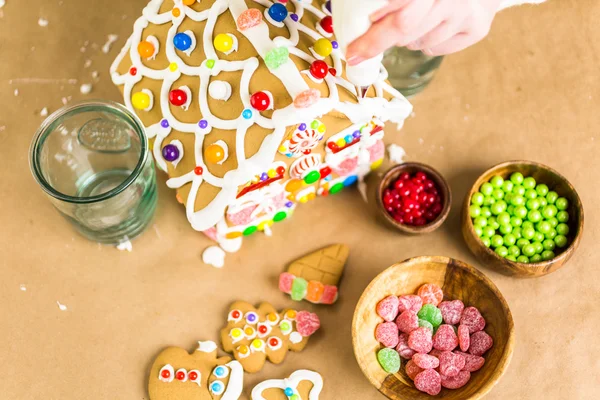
<point x="236" y="381"/>
<point x="219" y="90"/>
<point x="292" y="382"/>
<point x="154" y="41"/>
<point x="214" y="256"/>
<point x="177" y="143"/>
<point x="207" y="347"/>
<point x="295" y="337"/>
<point x="188" y="52"/>
<point x="151" y="96"/>
<point x="188" y="94"/>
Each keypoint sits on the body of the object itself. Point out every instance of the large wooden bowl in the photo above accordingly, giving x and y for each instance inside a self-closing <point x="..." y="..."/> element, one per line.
<point x="458" y="281"/>
<point x="556" y="182"/>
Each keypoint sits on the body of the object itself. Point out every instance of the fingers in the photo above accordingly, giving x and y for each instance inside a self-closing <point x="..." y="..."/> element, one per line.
<point x="408" y="19"/>
<point x="437" y="15"/>
<point x="393" y="6"/>
<point x="440" y="34"/>
<point x="455" y="44"/>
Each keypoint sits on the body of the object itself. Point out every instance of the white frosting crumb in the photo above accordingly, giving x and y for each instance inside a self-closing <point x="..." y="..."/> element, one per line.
<point x="396" y="153"/>
<point x="109" y="43"/>
<point x="62" y="307"/>
<point x="125" y="245"/>
<point x="207" y="347"/>
<point x="43" y="22"/>
<point x="44" y="112"/>
<point x="2" y="3"/>
<point x="87" y="63"/>
<point x="214" y="256"/>
<point x="23" y="287"/>
<point x="95" y="74"/>
<point x="86" y="88"/>
<point x="16" y="92"/>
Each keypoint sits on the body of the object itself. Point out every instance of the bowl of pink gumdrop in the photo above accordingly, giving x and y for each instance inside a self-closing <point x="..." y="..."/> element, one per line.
<point x="432" y="327"/>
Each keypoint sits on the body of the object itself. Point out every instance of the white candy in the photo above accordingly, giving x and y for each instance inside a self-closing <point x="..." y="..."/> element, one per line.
<point x="219" y="90"/>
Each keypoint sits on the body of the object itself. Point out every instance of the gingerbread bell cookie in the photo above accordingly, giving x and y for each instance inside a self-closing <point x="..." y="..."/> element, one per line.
<point x="315" y="277"/>
<point x="178" y="375"/>
<point x="254" y="335"/>
<point x="301" y="385"/>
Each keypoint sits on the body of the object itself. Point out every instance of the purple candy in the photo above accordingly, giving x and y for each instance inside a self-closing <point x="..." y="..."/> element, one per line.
<point x="264" y="176"/>
<point x="164" y="123"/>
<point x="170" y="152"/>
<point x="356" y="134"/>
<point x="302" y="127"/>
<point x="334" y="44"/>
<point x="294" y="17"/>
<point x="289" y="204"/>
<point x="328" y="5"/>
<point x="203" y="124"/>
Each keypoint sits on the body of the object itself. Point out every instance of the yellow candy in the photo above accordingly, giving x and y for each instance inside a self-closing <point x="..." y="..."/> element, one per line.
<point x="311" y="196"/>
<point x="189" y="2"/>
<point x="294" y="185"/>
<point x="321" y="128"/>
<point x="377" y="164"/>
<point x="214" y="154"/>
<point x="233" y="235"/>
<point x="303" y="199"/>
<point x="243" y="349"/>
<point x="257" y="343"/>
<point x="271" y="173"/>
<point x="173" y="67"/>
<point x="223" y="42"/>
<point x="261" y="226"/>
<point x="272" y="317"/>
<point x="340" y="142"/>
<point x="249" y="331"/>
<point x="236" y="332"/>
<point x="323" y="47"/>
<point x="282" y="149"/>
<point x="140" y="100"/>
<point x="291" y="314"/>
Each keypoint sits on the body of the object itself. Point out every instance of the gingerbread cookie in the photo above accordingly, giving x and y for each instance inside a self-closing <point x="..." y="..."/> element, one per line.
<point x="301" y="385"/>
<point x="315" y="276"/>
<point x="255" y="335"/>
<point x="177" y="375"/>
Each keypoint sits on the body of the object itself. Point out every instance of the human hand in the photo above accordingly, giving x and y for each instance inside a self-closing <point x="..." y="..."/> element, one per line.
<point x="436" y="27"/>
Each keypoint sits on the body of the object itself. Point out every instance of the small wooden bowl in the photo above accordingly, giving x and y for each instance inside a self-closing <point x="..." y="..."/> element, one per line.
<point x="412" y="167"/>
<point x="458" y="281"/>
<point x="556" y="182"/>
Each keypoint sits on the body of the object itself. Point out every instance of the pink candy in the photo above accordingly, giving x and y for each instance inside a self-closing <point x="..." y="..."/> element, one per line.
<point x="464" y="339"/>
<point x="429" y="381"/>
<point x="445" y="339"/>
<point x="387" y="334"/>
<point x="412" y="370"/>
<point x="307" y="323"/>
<point x="471" y="317"/>
<point x="410" y="302"/>
<point x="456" y="382"/>
<point x="408" y="321"/>
<point x="403" y="349"/>
<point x="388" y="308"/>
<point x="451" y="311"/>
<point x="249" y="18"/>
<point x="307" y="98"/>
<point x="472" y="363"/>
<point x="451" y="364"/>
<point x="330" y="294"/>
<point x="420" y="340"/>
<point x="480" y="343"/>
<point x="285" y="282"/>
<point x="425" y="361"/>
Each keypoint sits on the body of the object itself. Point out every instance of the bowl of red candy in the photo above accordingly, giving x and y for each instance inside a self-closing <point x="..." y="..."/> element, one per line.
<point x="413" y="198"/>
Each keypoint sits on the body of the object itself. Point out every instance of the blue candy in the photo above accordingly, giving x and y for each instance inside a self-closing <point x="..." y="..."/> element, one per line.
<point x="278" y="12"/>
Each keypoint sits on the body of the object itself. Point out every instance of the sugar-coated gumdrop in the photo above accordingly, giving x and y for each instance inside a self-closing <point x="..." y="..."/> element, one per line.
<point x="299" y="287"/>
<point x="451" y="311"/>
<point x="276" y="57"/>
<point x="330" y="294"/>
<point x="426" y="324"/>
<point x="285" y="282"/>
<point x="472" y="318"/>
<point x="249" y="18"/>
<point x="407" y="321"/>
<point x="307" y="98"/>
<point x="410" y="302"/>
<point x="387" y="334"/>
<point x="389" y="359"/>
<point x="480" y="343"/>
<point x="403" y="349"/>
<point x="451" y="363"/>
<point x="435" y="353"/>
<point x="412" y="370"/>
<point x="464" y="339"/>
<point x="420" y="340"/>
<point x="429" y="381"/>
<point x="430" y="313"/>
<point x="307" y="323"/>
<point x="431" y="293"/>
<point x="388" y="308"/>
<point x="314" y="291"/>
<point x="425" y="361"/>
<point x="445" y="338"/>
<point x="456" y="382"/>
<point x="472" y="363"/>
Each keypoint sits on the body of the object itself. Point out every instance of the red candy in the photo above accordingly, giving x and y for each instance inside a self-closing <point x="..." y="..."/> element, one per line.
<point x="285" y="282"/>
<point x="193" y="375"/>
<point x="480" y="343"/>
<point x="412" y="370"/>
<point x="403" y="349"/>
<point x="451" y="311"/>
<point x="425" y="361"/>
<point x="387" y="334"/>
<point x="180" y="375"/>
<point x="410" y="302"/>
<point x="431" y="293"/>
<point x="327" y="24"/>
<point x="388" y="308"/>
<point x="429" y="382"/>
<point x="451" y="363"/>
<point x="165" y="374"/>
<point x="178" y="97"/>
<point x="319" y="69"/>
<point x="408" y="321"/>
<point x="456" y="382"/>
<point x="464" y="339"/>
<point x="420" y="340"/>
<point x="330" y="294"/>
<point x="260" y="101"/>
<point x="472" y="363"/>
<point x="307" y="323"/>
<point x="472" y="318"/>
<point x="445" y="338"/>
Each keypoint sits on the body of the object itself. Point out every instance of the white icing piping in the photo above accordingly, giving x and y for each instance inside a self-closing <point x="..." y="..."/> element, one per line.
<point x="292" y="382"/>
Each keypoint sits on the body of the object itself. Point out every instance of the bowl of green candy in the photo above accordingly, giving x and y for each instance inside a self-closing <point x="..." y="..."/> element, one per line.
<point x="523" y="219"/>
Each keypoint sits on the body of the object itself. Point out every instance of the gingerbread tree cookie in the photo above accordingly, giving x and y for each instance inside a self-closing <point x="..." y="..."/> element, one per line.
<point x="254" y="335"/>
<point x="315" y="276"/>
<point x="248" y="108"/>
<point x="178" y="375"/>
<point x="301" y="385"/>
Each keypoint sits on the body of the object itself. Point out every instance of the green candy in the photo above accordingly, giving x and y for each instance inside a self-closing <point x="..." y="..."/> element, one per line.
<point x="523" y="259"/>
<point x="536" y="258"/>
<point x="562" y="216"/>
<point x="488" y="231"/>
<point x="486" y="189"/>
<point x="498" y="194"/>
<point x="529" y="183"/>
<point x="480" y="221"/>
<point x="528" y="250"/>
<point x="485" y="212"/>
<point x="502" y="251"/>
<point x="562" y="203"/>
<point x="539" y="248"/>
<point x="516" y="221"/>
<point x="517" y="233"/>
<point x="426" y="324"/>
<point x="280" y="216"/>
<point x="542" y="190"/>
<point x="497" y="181"/>
<point x="522" y="243"/>
<point x="299" y="287"/>
<point x="496" y="241"/>
<point x="543" y="201"/>
<point x="431" y="314"/>
<point x="528" y="232"/>
<point x="549" y="211"/>
<point x="538" y="237"/>
<point x="549" y="244"/>
<point x="489" y="201"/>
<point x="507" y="186"/>
<point x="527" y="224"/>
<point x="562" y="229"/>
<point x="498" y="207"/>
<point x="547" y="255"/>
<point x="514" y="251"/>
<point x="276" y="57"/>
<point x="532" y="204"/>
<point x="493" y="222"/>
<point x="544" y="227"/>
<point x="560" y="240"/>
<point x="553" y="222"/>
<point x="509" y="239"/>
<point x="551" y="197"/>
<point x="478" y="231"/>
<point x="519" y="191"/>
<point x="534" y="216"/>
<point x="517" y="178"/>
<point x="517" y="200"/>
<point x="511" y="258"/>
<point x="550" y="235"/>
<point x="520" y="211"/>
<point x="530" y="194"/>
<point x="503" y="218"/>
<point x="477" y="198"/>
<point x="486" y="241"/>
<point x="389" y="359"/>
<point x="506" y="229"/>
<point x="474" y="211"/>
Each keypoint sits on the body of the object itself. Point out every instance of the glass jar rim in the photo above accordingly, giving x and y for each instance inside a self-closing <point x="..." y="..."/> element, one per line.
<point x="50" y="123"/>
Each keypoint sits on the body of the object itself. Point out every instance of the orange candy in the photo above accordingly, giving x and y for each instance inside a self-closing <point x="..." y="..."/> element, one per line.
<point x="314" y="292"/>
<point x="189" y="2"/>
<point x="145" y="49"/>
<point x="233" y="235"/>
<point x="176" y="12"/>
<point x="431" y="293"/>
<point x="293" y="185"/>
<point x="214" y="153"/>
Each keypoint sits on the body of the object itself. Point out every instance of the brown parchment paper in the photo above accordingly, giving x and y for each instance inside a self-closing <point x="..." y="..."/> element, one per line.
<point x="531" y="90"/>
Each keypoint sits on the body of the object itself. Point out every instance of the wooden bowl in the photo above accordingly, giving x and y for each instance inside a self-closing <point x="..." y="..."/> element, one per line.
<point x="556" y="182"/>
<point x="412" y="167"/>
<point x="458" y="281"/>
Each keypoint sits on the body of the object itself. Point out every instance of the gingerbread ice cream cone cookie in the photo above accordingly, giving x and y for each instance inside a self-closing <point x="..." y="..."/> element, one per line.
<point x="301" y="385"/>
<point x="315" y="276"/>
<point x="255" y="335"/>
<point x="178" y="375"/>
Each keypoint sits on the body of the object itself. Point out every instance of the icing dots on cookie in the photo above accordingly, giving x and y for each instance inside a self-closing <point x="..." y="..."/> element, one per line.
<point x="257" y="345"/>
<point x="274" y="343"/>
<point x="263" y="329"/>
<point x="243" y="351"/>
<point x="285" y="327"/>
<point x="166" y="373"/>
<point x="235" y="316"/>
<point x="251" y="317"/>
<point x="272" y="319"/>
<point x="290" y="315"/>
<point x="295" y="337"/>
<point x="195" y="376"/>
<point x="249" y="332"/>
<point x="236" y="334"/>
<point x="221" y="372"/>
<point x="217" y="388"/>
<point x="181" y="375"/>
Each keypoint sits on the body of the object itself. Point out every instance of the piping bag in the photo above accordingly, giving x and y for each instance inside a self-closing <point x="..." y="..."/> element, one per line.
<point x="351" y="19"/>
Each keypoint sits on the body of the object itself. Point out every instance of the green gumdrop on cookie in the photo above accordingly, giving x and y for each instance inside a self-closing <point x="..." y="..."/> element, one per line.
<point x="389" y="359"/>
<point x="299" y="287"/>
<point x="426" y="324"/>
<point x="431" y="314"/>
